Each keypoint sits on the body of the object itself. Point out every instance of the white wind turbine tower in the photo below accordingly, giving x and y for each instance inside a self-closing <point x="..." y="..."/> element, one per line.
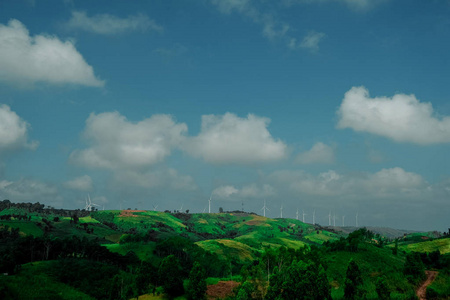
<point x="264" y="208"/>
<point x="329" y="218"/>
<point x="297" y="214"/>
<point x="303" y="214"/>
<point x="155" y="207"/>
<point x="209" y="204"/>
<point x="281" y="211"/>
<point x="204" y="210"/>
<point x="181" y="208"/>
<point x="89" y="205"/>
<point x="314" y="217"/>
<point x="343" y="221"/>
<point x="334" y="220"/>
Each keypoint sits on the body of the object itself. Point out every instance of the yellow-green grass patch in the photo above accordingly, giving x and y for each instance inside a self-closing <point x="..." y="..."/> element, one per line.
<point x="443" y="245"/>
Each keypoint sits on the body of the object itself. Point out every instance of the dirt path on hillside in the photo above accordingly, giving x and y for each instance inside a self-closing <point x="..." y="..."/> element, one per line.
<point x="422" y="290"/>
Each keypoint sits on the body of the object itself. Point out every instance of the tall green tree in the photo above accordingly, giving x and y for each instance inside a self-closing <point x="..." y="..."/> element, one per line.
<point x="196" y="288"/>
<point x="170" y="276"/>
<point x="353" y="282"/>
<point x="414" y="268"/>
<point x="301" y="280"/>
<point x="382" y="289"/>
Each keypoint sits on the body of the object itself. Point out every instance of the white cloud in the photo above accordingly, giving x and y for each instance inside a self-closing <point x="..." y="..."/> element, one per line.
<point x="231" y="139"/>
<point x="319" y="153"/>
<point x="225" y="191"/>
<point x="227" y="6"/>
<point x="13" y="131"/>
<point x="109" y="24"/>
<point x="42" y="58"/>
<point x="272" y="28"/>
<point x="117" y="143"/>
<point x="384" y="184"/>
<point x="27" y="190"/>
<point x="247" y="191"/>
<point x="355" y="5"/>
<point x="311" y="41"/>
<point x="83" y="183"/>
<point x="361" y="5"/>
<point x="166" y="177"/>
<point x="401" y="118"/>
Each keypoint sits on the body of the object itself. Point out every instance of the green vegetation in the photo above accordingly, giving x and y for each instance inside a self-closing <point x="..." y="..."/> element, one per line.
<point x="62" y="254"/>
<point x="443" y="245"/>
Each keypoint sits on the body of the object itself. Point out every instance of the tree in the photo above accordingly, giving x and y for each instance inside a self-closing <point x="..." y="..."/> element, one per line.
<point x="382" y="289"/>
<point x="414" y="268"/>
<point x="353" y="282"/>
<point x="302" y="280"/>
<point x="395" y="249"/>
<point x="170" y="275"/>
<point x="220" y="210"/>
<point x="196" y="288"/>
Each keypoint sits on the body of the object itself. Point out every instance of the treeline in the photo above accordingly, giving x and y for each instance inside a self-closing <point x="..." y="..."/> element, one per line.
<point x="16" y="250"/>
<point x="41" y="209"/>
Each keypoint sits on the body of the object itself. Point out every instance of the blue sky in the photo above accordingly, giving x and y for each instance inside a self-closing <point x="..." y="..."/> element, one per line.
<point x="334" y="106"/>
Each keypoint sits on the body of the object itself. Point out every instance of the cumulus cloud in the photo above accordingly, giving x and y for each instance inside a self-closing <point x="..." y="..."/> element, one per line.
<point x="116" y="143"/>
<point x="109" y="24"/>
<point x="319" y="153"/>
<point x="248" y="191"/>
<point x="231" y="139"/>
<point x="41" y="58"/>
<point x="27" y="190"/>
<point x="402" y="118"/>
<point x="13" y="131"/>
<point x="382" y="184"/>
<point x="165" y="177"/>
<point x="83" y="183"/>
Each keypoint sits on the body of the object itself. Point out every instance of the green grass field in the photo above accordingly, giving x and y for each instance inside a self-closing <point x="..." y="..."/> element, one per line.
<point x="443" y="245"/>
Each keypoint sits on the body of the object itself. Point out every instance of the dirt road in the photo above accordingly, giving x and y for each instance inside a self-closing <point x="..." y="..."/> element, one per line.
<point x="422" y="290"/>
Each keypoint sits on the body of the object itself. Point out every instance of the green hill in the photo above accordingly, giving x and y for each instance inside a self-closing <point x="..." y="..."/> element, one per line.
<point x="126" y="246"/>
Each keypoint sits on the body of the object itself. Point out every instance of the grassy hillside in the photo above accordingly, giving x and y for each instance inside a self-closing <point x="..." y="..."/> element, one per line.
<point x="224" y="243"/>
<point x="443" y="245"/>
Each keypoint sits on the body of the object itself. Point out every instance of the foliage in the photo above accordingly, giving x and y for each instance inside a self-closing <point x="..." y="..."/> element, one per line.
<point x="196" y="288"/>
<point x="170" y="276"/>
<point x="353" y="282"/>
<point x="301" y="279"/>
<point x="414" y="269"/>
<point x="382" y="288"/>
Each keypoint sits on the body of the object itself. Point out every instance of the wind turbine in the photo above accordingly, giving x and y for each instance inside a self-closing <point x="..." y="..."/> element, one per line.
<point x="303" y="214"/>
<point x="329" y="218"/>
<point x="281" y="211"/>
<point x="204" y="210"/>
<point x="297" y="214"/>
<point x="343" y="221"/>
<point x="314" y="217"/>
<point x="264" y="208"/>
<point x="209" y="203"/>
<point x="155" y="207"/>
<point x="89" y="205"/>
<point x="181" y="208"/>
<point x="334" y="220"/>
